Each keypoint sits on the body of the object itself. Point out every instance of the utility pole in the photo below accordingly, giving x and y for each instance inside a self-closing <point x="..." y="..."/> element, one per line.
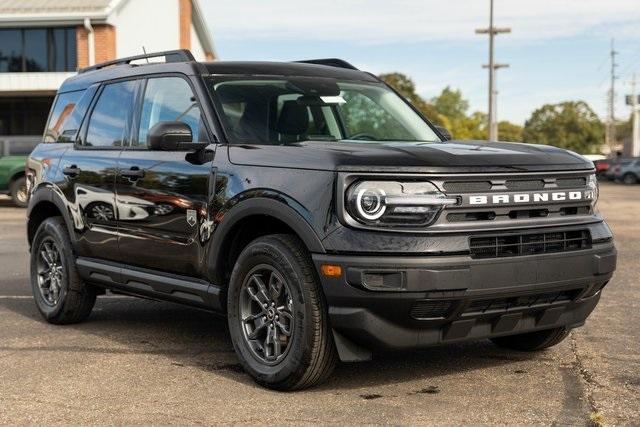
<point x="492" y="123"/>
<point x="610" y="131"/>
<point x="635" y="120"/>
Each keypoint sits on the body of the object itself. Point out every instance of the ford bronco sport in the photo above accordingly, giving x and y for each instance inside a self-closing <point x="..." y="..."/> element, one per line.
<point x="312" y="205"/>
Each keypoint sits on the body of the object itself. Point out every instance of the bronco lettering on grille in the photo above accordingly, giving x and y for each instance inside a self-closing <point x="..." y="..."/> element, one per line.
<point x="504" y="199"/>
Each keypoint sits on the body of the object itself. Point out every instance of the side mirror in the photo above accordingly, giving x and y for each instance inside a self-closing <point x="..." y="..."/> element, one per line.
<point x="173" y="136"/>
<point x="444" y="132"/>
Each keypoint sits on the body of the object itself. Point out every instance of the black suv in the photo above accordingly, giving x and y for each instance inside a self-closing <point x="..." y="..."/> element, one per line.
<point x="312" y="205"/>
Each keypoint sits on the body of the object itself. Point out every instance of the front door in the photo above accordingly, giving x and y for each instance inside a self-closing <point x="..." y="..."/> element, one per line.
<point x="162" y="196"/>
<point x="90" y="171"/>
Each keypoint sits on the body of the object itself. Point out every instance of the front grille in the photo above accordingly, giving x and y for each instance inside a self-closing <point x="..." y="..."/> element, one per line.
<point x="513" y="185"/>
<point x="525" y="185"/>
<point x="528" y="244"/>
<point x="495" y="305"/>
<point x="431" y="309"/>
<point x="571" y="182"/>
<point x="466" y="186"/>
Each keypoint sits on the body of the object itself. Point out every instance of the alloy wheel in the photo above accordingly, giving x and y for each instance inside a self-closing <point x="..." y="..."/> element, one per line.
<point x="50" y="272"/>
<point x="22" y="195"/>
<point x="266" y="314"/>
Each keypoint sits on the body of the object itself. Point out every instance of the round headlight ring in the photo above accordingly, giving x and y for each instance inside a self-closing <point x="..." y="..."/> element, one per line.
<point x="370" y="203"/>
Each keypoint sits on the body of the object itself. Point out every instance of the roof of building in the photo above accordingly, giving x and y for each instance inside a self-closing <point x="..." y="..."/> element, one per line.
<point x="68" y="12"/>
<point x="52" y="6"/>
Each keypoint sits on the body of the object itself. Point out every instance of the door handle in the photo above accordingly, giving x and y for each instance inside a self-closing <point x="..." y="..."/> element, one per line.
<point x="71" y="171"/>
<point x="133" y="173"/>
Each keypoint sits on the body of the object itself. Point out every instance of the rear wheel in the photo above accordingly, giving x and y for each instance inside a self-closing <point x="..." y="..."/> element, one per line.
<point x="630" y="179"/>
<point x="60" y="295"/>
<point x="533" y="341"/>
<point x="277" y="315"/>
<point x="19" y="193"/>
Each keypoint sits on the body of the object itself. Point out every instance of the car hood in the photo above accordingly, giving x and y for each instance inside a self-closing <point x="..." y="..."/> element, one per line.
<point x="449" y="157"/>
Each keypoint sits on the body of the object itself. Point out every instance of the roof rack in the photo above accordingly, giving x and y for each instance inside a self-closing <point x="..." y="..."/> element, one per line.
<point x="180" y="55"/>
<point x="330" y="62"/>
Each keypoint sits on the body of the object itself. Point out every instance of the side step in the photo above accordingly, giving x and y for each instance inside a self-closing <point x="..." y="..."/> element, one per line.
<point x="151" y="284"/>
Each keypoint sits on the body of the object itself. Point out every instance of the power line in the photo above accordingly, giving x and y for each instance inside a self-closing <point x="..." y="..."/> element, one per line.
<point x="492" y="66"/>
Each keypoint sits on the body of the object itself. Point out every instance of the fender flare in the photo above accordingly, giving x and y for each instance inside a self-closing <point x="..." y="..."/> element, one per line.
<point x="47" y="193"/>
<point x="275" y="207"/>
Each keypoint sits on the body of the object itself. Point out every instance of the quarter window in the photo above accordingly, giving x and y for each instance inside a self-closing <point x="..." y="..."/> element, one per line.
<point x="64" y="105"/>
<point x="169" y="99"/>
<point x="110" y="120"/>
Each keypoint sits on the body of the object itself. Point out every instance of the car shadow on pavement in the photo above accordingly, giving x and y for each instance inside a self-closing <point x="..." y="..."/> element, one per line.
<point x="6" y="202"/>
<point x="198" y="339"/>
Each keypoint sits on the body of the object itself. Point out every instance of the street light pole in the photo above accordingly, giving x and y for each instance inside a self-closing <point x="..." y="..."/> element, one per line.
<point x="492" y="66"/>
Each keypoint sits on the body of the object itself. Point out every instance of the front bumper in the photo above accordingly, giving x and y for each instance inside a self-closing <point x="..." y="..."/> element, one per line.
<point x="402" y="302"/>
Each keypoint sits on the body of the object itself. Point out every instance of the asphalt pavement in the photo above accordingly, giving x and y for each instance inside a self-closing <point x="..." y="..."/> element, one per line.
<point x="144" y="362"/>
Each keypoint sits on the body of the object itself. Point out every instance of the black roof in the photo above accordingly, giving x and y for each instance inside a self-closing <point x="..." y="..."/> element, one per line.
<point x="301" y="69"/>
<point x="122" y="68"/>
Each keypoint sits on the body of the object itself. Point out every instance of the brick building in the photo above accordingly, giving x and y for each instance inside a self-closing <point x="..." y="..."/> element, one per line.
<point x="42" y="42"/>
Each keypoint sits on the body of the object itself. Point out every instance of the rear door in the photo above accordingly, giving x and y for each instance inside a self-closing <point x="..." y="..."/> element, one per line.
<point x="90" y="169"/>
<point x="162" y="196"/>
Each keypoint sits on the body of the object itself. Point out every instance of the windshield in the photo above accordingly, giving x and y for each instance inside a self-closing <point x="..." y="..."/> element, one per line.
<point x="284" y="110"/>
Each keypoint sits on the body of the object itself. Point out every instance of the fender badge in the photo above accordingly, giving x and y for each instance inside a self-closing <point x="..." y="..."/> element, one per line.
<point x="191" y="217"/>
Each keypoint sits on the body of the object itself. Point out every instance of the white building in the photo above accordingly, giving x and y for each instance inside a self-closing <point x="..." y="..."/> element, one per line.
<point x="42" y="42"/>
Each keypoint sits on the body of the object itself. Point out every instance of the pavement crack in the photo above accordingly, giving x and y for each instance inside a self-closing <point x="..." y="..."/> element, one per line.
<point x="587" y="378"/>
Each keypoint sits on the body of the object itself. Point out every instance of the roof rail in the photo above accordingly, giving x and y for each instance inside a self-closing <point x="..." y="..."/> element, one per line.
<point x="330" y="62"/>
<point x="180" y="55"/>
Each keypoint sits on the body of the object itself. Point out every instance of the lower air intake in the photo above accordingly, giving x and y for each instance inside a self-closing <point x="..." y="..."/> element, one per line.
<point x="528" y="244"/>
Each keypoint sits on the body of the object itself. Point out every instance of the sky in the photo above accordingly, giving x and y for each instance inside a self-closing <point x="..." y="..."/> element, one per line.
<point x="558" y="50"/>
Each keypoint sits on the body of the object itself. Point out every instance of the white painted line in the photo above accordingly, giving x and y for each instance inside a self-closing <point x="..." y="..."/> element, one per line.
<point x="31" y="297"/>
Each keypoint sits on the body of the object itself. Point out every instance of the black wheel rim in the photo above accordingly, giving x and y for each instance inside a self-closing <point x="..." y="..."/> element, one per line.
<point x="50" y="272"/>
<point x="266" y="314"/>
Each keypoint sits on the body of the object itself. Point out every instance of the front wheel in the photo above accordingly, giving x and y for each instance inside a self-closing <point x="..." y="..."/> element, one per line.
<point x="19" y="194"/>
<point x="533" y="341"/>
<point x="277" y="315"/>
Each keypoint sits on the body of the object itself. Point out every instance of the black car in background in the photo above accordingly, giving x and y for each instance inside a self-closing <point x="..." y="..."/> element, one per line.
<point x="312" y="205"/>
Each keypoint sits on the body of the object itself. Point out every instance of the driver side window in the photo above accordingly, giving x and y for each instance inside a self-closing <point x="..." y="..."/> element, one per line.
<point x="169" y="99"/>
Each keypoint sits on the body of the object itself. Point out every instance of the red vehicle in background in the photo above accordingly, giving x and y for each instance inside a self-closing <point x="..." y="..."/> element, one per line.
<point x="602" y="166"/>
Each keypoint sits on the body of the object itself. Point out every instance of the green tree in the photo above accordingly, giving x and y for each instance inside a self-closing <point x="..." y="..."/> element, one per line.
<point x="508" y="131"/>
<point x="407" y="88"/>
<point x="572" y="125"/>
<point x="451" y="104"/>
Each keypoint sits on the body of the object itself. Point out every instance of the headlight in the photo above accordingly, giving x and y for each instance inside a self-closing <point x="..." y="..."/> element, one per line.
<point x="391" y="203"/>
<point x="593" y="190"/>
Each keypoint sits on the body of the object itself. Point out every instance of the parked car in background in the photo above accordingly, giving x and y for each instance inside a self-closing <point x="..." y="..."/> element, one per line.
<point x="628" y="172"/>
<point x="614" y="166"/>
<point x="13" y="156"/>
<point x="602" y="166"/>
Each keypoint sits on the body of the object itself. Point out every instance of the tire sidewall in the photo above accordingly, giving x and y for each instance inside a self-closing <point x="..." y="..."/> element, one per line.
<point x="279" y="257"/>
<point x="51" y="229"/>
<point x="629" y="179"/>
<point x="15" y="187"/>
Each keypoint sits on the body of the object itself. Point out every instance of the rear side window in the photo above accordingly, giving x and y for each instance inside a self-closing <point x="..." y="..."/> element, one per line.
<point x="64" y="105"/>
<point x="110" y="121"/>
<point x="169" y="99"/>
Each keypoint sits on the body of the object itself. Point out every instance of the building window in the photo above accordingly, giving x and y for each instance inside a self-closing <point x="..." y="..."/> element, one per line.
<point x="38" y="49"/>
<point x="24" y="115"/>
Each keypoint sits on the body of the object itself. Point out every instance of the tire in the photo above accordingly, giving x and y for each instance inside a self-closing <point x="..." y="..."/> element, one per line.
<point x="629" y="179"/>
<point x="64" y="298"/>
<point x="18" y="191"/>
<point x="309" y="353"/>
<point x="533" y="341"/>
